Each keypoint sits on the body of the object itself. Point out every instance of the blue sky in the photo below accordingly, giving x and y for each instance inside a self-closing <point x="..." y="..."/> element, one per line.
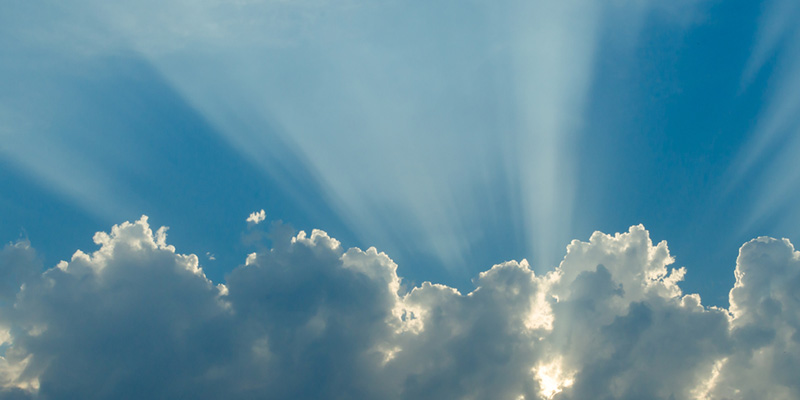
<point x="452" y="136"/>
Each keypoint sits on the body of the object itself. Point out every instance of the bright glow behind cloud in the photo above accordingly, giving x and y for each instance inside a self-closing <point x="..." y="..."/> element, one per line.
<point x="309" y="319"/>
<point x="552" y="379"/>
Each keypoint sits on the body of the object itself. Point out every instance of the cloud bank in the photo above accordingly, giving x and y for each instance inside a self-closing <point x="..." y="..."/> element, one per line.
<point x="306" y="318"/>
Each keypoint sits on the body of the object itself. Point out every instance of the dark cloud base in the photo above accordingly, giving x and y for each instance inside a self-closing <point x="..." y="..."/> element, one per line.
<point x="307" y="319"/>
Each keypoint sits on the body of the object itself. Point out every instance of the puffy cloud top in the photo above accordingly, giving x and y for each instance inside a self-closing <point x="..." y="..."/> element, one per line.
<point x="257" y="217"/>
<point x="310" y="319"/>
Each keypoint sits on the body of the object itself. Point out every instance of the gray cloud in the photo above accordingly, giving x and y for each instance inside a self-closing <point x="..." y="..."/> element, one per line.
<point x="765" y="304"/>
<point x="307" y="318"/>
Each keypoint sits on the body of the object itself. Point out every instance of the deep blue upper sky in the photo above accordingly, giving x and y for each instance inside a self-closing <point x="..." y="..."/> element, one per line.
<point x="451" y="136"/>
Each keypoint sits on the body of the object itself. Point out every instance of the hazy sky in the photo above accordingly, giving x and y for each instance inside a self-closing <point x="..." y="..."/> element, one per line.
<point x="451" y="135"/>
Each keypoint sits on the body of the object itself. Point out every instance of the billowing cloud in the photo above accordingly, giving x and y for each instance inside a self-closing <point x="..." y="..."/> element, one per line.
<point x="765" y="306"/>
<point x="257" y="217"/>
<point x="307" y="318"/>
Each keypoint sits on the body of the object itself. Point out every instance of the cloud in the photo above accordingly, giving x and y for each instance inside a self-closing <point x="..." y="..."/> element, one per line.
<point x="766" y="323"/>
<point x="20" y="264"/>
<point x="256" y="217"/>
<point x="308" y="318"/>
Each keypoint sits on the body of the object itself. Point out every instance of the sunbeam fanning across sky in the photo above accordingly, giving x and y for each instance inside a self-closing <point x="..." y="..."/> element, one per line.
<point x="770" y="155"/>
<point x="453" y="136"/>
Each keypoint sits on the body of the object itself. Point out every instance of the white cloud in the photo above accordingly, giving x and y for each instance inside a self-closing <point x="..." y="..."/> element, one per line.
<point x="257" y="217"/>
<point x="311" y="319"/>
<point x="766" y="323"/>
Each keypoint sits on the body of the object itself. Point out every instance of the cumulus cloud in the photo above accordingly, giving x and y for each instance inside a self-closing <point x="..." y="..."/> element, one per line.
<point x="308" y="318"/>
<point x="256" y="217"/>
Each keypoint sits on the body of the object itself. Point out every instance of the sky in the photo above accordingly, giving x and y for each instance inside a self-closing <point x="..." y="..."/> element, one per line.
<point x="357" y="192"/>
